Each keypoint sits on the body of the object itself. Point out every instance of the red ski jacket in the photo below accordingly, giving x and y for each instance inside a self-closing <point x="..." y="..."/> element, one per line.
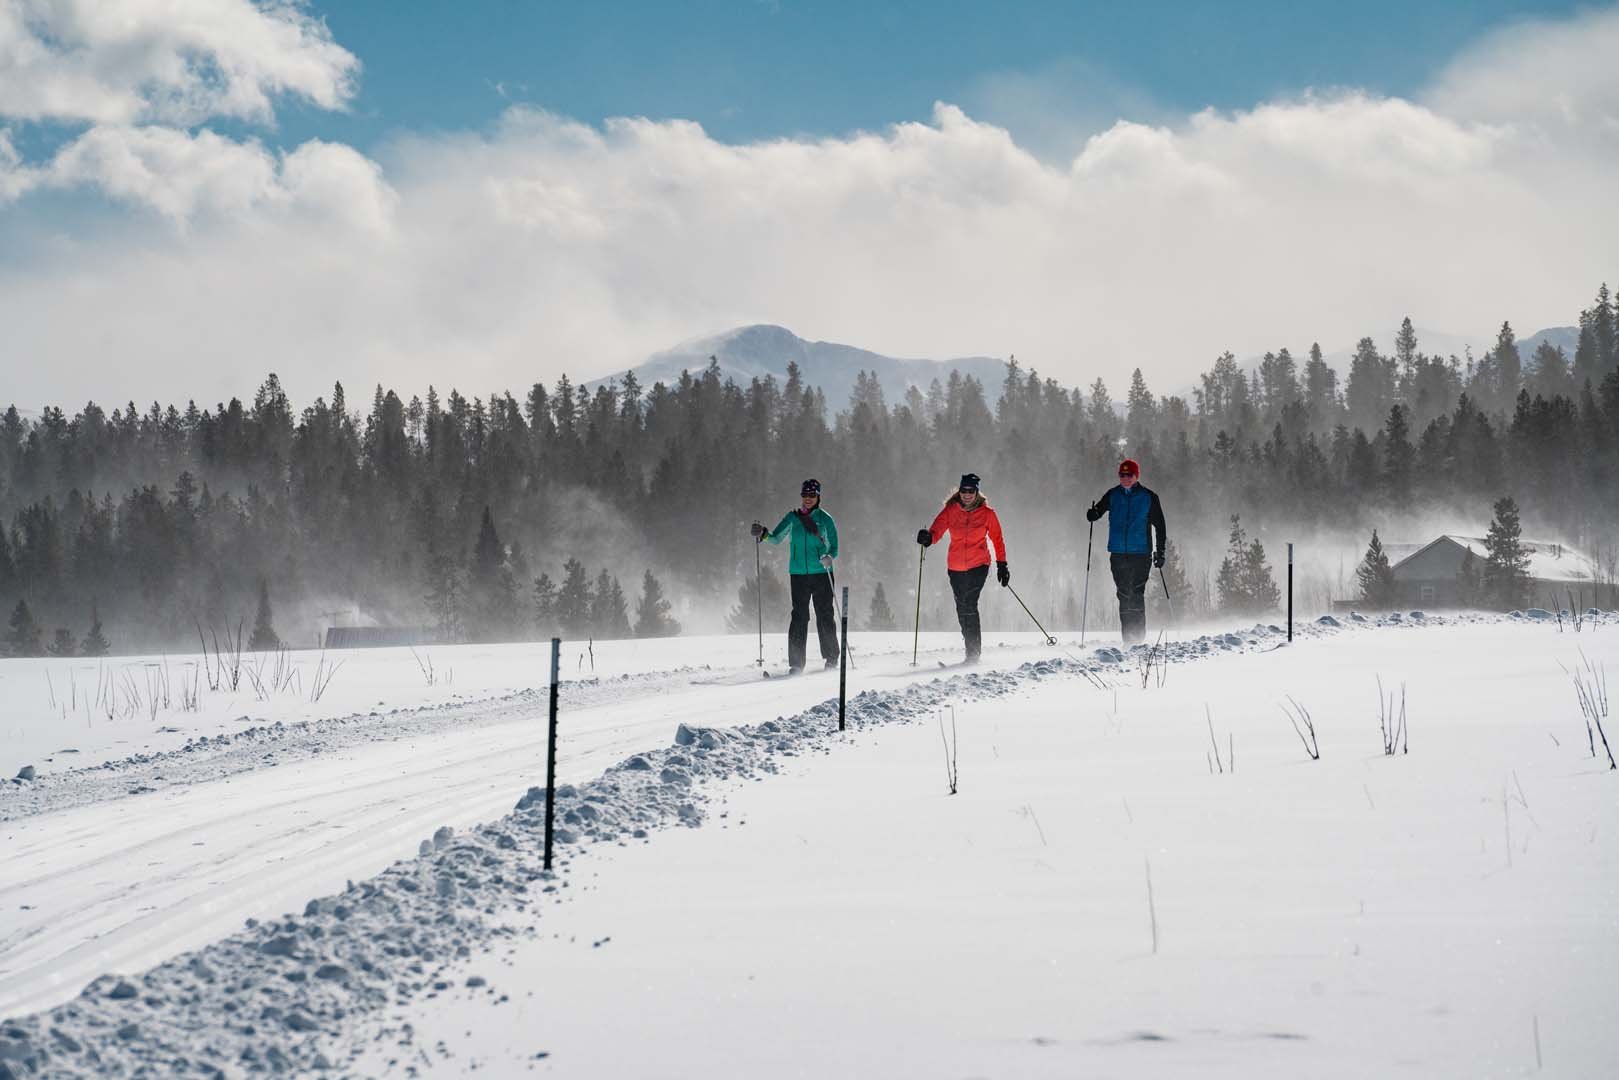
<point x="968" y="529"/>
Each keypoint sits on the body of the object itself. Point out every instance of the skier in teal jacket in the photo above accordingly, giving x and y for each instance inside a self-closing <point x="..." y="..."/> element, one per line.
<point x="813" y="544"/>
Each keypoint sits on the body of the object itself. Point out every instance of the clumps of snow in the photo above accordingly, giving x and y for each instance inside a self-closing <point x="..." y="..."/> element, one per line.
<point x="25" y="773"/>
<point x="1328" y="621"/>
<point x="277" y="996"/>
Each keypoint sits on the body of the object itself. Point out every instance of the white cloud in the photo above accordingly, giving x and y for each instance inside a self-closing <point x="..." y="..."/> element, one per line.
<point x="491" y="260"/>
<point x="184" y="176"/>
<point x="1555" y="78"/>
<point x="181" y="62"/>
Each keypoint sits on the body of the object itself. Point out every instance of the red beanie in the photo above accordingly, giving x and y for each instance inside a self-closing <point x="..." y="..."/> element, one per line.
<point x="1128" y="465"/>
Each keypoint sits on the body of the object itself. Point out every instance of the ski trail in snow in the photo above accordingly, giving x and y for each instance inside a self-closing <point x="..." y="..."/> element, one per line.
<point x="125" y="882"/>
<point x="96" y="903"/>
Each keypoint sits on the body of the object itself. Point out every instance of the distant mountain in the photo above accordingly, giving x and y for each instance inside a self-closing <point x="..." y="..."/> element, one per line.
<point x="1566" y="338"/>
<point x="750" y="352"/>
<point x="1440" y="343"/>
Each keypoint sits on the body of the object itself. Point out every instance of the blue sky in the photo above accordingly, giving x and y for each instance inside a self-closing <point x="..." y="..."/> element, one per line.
<point x="746" y="69"/>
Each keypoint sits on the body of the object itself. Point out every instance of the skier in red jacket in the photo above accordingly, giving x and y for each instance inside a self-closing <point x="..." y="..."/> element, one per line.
<point x="969" y="521"/>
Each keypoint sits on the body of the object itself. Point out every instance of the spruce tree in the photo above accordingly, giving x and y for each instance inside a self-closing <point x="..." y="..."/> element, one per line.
<point x="545" y="606"/>
<point x="1398" y="456"/>
<point x="609" y="611"/>
<point x="573" y="600"/>
<point x="492" y="586"/>
<point x="264" y="636"/>
<point x="95" y="642"/>
<point x="24" y="639"/>
<point x="744" y="618"/>
<point x="1376" y="577"/>
<point x="444" y="593"/>
<point x="1470" y="581"/>
<point x="882" y="616"/>
<point x="62" y="644"/>
<point x="652" y="611"/>
<point x="1259" y="583"/>
<point x="1230" y="583"/>
<point x="1506" y="563"/>
<point x="1172" y="575"/>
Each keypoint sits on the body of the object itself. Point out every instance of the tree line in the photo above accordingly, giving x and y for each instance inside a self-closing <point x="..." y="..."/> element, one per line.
<point x="478" y="516"/>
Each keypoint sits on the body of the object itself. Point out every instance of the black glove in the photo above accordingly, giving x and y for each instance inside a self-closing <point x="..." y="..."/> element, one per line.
<point x="924" y="537"/>
<point x="758" y="530"/>
<point x="1003" y="575"/>
<point x="1158" y="559"/>
<point x="1094" y="513"/>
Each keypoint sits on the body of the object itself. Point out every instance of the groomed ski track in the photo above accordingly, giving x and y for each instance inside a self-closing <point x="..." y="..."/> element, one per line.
<point x="124" y="884"/>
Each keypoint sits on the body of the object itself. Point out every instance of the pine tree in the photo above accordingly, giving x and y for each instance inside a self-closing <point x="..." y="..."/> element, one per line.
<point x="609" y="612"/>
<point x="744" y="618"/>
<point x="1398" y="456"/>
<point x="1506" y="563"/>
<point x="1508" y="365"/>
<point x="1258" y="582"/>
<point x="573" y="600"/>
<point x="24" y="639"/>
<point x="1376" y="577"/>
<point x="545" y="606"/>
<point x="492" y="585"/>
<point x="882" y="616"/>
<point x="1172" y="575"/>
<point x="95" y="642"/>
<point x="1469" y="581"/>
<point x="652" y="611"/>
<point x="62" y="644"/>
<point x="443" y="596"/>
<point x="1229" y="583"/>
<point x="264" y="636"/>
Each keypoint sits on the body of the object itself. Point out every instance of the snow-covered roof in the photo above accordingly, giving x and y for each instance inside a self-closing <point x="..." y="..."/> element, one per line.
<point x="1547" y="561"/>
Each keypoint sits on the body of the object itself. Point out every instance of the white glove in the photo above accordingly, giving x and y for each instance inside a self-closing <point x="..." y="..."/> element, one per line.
<point x="826" y="561"/>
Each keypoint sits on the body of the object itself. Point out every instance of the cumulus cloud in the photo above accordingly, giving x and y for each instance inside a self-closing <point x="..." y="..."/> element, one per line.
<point x="1559" y="78"/>
<point x="493" y="259"/>
<point x="176" y="62"/>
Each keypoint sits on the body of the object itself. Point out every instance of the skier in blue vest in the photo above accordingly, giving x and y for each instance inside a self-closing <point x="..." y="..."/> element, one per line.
<point x="1133" y="511"/>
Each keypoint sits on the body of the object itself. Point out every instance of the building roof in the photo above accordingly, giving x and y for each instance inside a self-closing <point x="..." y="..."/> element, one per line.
<point x="1547" y="561"/>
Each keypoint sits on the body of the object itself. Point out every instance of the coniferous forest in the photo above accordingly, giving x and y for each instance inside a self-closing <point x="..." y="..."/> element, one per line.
<point x="624" y="509"/>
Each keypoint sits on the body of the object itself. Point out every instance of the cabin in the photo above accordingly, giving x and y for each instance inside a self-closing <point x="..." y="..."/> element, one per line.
<point x="1560" y="577"/>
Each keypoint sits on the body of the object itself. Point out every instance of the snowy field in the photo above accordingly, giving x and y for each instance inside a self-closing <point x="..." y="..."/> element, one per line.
<point x="1446" y="911"/>
<point x="61" y="714"/>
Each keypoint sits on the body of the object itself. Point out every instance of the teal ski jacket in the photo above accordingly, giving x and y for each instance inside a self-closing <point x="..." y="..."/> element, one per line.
<point x="806" y="548"/>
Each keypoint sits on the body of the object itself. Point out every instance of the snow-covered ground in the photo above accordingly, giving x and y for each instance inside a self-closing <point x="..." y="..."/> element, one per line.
<point x="122" y="866"/>
<point x="61" y="714"/>
<point x="1447" y="911"/>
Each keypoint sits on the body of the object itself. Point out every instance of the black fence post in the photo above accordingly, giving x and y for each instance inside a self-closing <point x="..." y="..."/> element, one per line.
<point x="1290" y="592"/>
<point x="843" y="660"/>
<point x="551" y="752"/>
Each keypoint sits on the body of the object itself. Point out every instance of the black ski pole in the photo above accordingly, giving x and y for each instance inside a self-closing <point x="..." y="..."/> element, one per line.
<point x="759" y="594"/>
<point x="1049" y="639"/>
<point x="1167" y="601"/>
<point x="1085" y="603"/>
<point x="916" y="629"/>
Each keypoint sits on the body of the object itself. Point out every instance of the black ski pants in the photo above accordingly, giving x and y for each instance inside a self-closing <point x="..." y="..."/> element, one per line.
<point x="967" y="584"/>
<point x="1131" y="574"/>
<point x="807" y="587"/>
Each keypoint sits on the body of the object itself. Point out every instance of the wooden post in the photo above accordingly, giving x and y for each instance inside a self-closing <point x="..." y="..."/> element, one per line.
<point x="843" y="660"/>
<point x="551" y="752"/>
